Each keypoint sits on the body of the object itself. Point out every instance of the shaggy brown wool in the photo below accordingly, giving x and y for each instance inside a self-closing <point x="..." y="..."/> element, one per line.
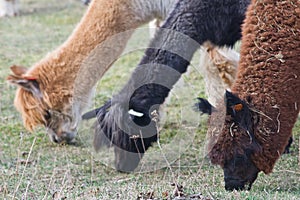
<point x="269" y="80"/>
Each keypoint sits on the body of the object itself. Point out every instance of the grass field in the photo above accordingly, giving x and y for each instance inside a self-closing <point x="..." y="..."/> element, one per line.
<point x="31" y="167"/>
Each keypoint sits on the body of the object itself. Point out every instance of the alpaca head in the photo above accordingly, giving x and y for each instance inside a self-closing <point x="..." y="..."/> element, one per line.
<point x="235" y="144"/>
<point x="37" y="107"/>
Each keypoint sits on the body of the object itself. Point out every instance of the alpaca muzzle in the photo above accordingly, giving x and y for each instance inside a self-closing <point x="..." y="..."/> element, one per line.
<point x="61" y="137"/>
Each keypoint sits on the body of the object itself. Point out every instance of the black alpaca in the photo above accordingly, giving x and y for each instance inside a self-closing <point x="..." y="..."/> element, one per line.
<point x="126" y="122"/>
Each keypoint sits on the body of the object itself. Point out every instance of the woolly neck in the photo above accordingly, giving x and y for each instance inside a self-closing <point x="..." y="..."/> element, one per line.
<point x="91" y="42"/>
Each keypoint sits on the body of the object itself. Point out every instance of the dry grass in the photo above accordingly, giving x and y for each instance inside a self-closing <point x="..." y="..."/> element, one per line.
<point x="33" y="168"/>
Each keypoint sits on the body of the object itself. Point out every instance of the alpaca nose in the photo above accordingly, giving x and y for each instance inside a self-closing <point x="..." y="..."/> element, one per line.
<point x="69" y="137"/>
<point x="236" y="184"/>
<point x="232" y="185"/>
<point x="60" y="137"/>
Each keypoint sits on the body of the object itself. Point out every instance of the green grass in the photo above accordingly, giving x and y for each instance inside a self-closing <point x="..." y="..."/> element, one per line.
<point x="31" y="167"/>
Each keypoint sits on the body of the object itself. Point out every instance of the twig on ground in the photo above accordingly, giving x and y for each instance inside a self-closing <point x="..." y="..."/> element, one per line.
<point x="22" y="176"/>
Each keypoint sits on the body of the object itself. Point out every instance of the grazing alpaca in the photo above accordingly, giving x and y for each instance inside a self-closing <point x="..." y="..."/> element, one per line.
<point x="264" y="105"/>
<point x="9" y="8"/>
<point x="126" y="122"/>
<point x="55" y="90"/>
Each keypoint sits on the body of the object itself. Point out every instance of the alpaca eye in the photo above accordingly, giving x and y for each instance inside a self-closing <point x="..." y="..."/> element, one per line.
<point x="47" y="116"/>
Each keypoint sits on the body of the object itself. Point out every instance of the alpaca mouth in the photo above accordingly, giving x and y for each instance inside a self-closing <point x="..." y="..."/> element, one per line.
<point x="242" y="176"/>
<point x="235" y="184"/>
<point x="65" y="137"/>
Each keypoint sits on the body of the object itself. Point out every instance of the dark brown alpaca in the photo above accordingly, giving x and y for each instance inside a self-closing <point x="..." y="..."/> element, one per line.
<point x="266" y="100"/>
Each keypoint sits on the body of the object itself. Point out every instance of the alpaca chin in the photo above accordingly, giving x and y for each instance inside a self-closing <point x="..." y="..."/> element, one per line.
<point x="240" y="173"/>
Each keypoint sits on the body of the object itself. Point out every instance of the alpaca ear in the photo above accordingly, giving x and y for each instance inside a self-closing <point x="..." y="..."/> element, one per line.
<point x="203" y="106"/>
<point x="91" y="114"/>
<point x="239" y="111"/>
<point x="98" y="112"/>
<point x="18" y="70"/>
<point x="233" y="104"/>
<point x="27" y="82"/>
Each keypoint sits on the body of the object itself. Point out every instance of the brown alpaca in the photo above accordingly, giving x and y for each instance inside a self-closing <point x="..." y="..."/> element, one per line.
<point x="259" y="121"/>
<point x="55" y="90"/>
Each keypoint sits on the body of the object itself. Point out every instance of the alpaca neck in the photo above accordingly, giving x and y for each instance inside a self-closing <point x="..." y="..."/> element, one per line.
<point x="269" y="74"/>
<point x="171" y="50"/>
<point x="94" y="45"/>
<point x="131" y="16"/>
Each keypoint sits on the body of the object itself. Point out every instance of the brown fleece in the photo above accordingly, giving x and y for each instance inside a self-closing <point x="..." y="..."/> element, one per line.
<point x="268" y="79"/>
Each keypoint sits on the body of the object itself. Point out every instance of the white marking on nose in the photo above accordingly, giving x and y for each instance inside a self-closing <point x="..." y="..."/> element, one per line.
<point x="135" y="113"/>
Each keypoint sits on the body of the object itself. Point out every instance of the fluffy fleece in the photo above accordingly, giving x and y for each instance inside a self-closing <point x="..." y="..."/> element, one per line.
<point x="190" y="24"/>
<point x="264" y="105"/>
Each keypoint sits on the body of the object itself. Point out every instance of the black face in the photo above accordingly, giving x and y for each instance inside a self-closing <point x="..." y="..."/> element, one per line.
<point x="239" y="170"/>
<point x="240" y="173"/>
